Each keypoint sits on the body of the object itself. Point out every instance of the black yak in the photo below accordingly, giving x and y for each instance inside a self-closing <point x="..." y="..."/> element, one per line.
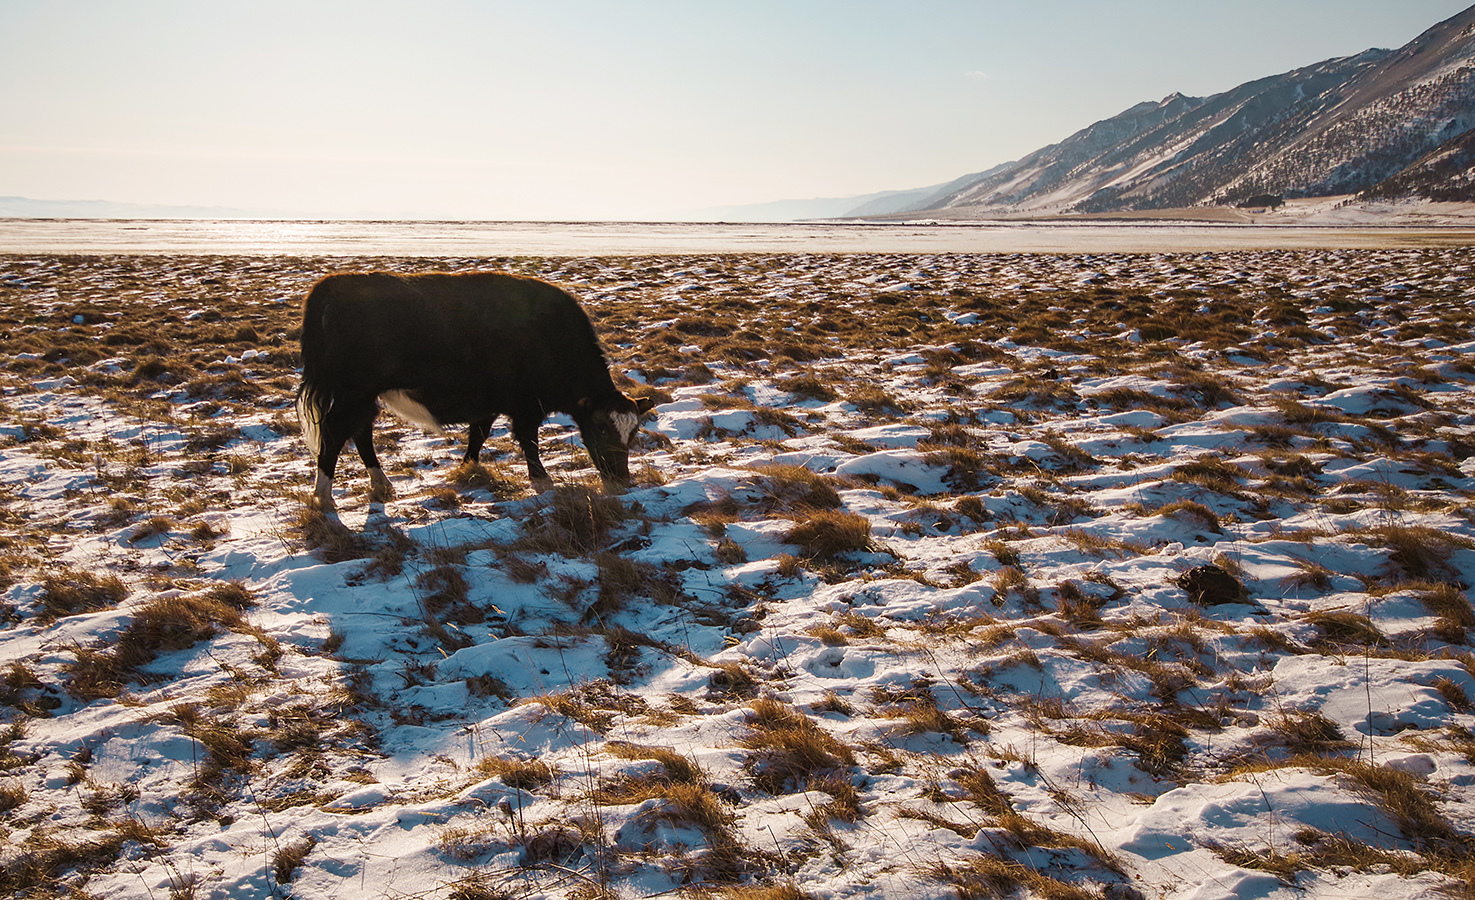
<point x="450" y="348"/>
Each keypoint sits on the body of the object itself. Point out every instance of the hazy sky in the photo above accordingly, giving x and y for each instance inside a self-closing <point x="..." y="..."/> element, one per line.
<point x="608" y="109"/>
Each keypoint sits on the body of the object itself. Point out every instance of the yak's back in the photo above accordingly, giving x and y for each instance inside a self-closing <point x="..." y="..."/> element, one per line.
<point x="402" y="327"/>
<point x="458" y="301"/>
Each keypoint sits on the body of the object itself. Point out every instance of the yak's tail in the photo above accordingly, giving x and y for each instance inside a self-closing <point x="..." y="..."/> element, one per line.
<point x="312" y="405"/>
<point x="313" y="396"/>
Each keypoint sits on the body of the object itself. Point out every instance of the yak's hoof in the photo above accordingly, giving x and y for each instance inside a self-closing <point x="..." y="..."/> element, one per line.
<point x="380" y="490"/>
<point x="322" y="495"/>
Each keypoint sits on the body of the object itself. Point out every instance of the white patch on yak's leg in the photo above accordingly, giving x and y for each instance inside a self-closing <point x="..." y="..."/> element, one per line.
<point x="380" y="489"/>
<point x="322" y="491"/>
<point x="626" y="425"/>
<point x="411" y="410"/>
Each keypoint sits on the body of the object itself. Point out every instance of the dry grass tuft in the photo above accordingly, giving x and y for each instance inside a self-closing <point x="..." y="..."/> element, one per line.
<point x="844" y="805"/>
<point x="1191" y="511"/>
<point x="160" y="626"/>
<point x="1417" y="551"/>
<point x="789" y="749"/>
<point x="979" y="786"/>
<point x="523" y="774"/>
<point x="784" y="891"/>
<point x="576" y="523"/>
<point x="68" y="592"/>
<point x="1214" y="474"/>
<point x="825" y="534"/>
<point x="1321" y="851"/>
<point x="35" y="867"/>
<point x="327" y="538"/>
<point x="289" y="858"/>
<point x="1450" y="604"/>
<point x="789" y="488"/>
<point x="676" y="768"/>
<point x="496" y="479"/>
<point x="13" y="795"/>
<point x="733" y="679"/>
<point x="684" y="798"/>
<point x="1308" y="731"/>
<point x="1157" y="738"/>
<point x="1342" y="630"/>
<point x="992" y="876"/>
<point x="1012" y="580"/>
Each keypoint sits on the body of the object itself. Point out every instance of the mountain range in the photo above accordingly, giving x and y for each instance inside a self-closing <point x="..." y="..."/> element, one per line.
<point x="1383" y="124"/>
<point x="27" y="208"/>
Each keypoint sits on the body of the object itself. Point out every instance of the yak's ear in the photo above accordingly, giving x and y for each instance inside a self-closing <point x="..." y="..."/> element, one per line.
<point x="644" y="405"/>
<point x="585" y="405"/>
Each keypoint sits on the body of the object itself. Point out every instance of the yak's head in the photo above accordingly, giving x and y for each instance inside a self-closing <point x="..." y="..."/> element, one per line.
<point x="607" y="427"/>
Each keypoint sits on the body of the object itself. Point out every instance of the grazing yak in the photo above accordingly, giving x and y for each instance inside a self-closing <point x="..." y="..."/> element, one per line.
<point x="451" y="348"/>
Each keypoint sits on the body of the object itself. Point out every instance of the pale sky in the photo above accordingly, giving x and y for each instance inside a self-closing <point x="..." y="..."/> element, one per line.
<point x="605" y="109"/>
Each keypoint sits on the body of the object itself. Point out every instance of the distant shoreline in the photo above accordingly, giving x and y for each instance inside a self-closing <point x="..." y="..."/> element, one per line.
<point x="359" y="238"/>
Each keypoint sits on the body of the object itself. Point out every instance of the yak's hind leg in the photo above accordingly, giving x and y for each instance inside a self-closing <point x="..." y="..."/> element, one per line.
<point x="344" y="420"/>
<point x="379" y="488"/>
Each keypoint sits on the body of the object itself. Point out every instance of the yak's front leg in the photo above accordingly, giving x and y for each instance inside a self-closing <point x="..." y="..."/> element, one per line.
<point x="476" y="436"/>
<point x="526" y="436"/>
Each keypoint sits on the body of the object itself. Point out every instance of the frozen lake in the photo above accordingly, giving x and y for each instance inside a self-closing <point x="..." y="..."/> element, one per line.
<point x="366" y="238"/>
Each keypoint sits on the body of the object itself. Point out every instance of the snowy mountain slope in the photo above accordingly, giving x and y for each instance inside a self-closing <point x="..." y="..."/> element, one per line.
<point x="1337" y="127"/>
<point x="1092" y="576"/>
<point x="1445" y="174"/>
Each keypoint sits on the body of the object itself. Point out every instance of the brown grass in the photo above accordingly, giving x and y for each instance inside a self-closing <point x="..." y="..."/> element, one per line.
<point x="1319" y="850"/>
<point x="825" y="534"/>
<point x="13" y="795"/>
<point x="1343" y="630"/>
<point x="498" y="480"/>
<point x="782" y="891"/>
<point x="288" y="858"/>
<point x="1417" y="551"/>
<point x="1308" y="731"/>
<point x="523" y="774"/>
<point x="788" y="749"/>
<point x="986" y="877"/>
<point x="979" y="787"/>
<point x="789" y="488"/>
<point x="327" y="538"/>
<point x="68" y="592"/>
<point x="575" y="523"/>
<point x="160" y="626"/>
<point x="35" y="867"/>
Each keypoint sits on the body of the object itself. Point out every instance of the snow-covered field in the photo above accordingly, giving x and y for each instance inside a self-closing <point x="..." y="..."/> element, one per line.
<point x="943" y="575"/>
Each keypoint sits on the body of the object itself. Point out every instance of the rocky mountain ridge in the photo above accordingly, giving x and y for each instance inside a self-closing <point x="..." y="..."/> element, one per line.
<point x="1383" y="124"/>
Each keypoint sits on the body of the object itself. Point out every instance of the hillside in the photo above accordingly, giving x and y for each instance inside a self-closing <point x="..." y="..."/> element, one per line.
<point x="1385" y="123"/>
